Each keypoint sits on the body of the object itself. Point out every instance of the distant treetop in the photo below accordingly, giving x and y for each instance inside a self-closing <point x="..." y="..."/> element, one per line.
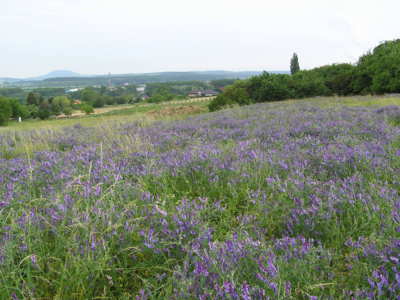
<point x="294" y="64"/>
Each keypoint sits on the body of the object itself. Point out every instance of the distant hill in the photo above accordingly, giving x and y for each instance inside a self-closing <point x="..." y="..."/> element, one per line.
<point x="68" y="79"/>
<point x="56" y="74"/>
<point x="8" y="79"/>
<point x="52" y="74"/>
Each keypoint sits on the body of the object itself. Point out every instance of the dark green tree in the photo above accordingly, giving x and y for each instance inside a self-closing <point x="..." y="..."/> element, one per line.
<point x="87" y="108"/>
<point x="233" y="94"/>
<point x="88" y="95"/>
<point x="294" y="64"/>
<point x="18" y="110"/>
<point x="99" y="101"/>
<point x="378" y="71"/>
<point x="44" y="110"/>
<point x="60" y="104"/>
<point x="34" y="99"/>
<point x="5" y="111"/>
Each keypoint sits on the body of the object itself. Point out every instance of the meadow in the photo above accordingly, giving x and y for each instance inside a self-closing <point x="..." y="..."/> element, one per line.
<point x="285" y="200"/>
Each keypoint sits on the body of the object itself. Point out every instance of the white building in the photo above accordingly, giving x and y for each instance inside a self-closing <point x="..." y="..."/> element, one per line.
<point x="141" y="88"/>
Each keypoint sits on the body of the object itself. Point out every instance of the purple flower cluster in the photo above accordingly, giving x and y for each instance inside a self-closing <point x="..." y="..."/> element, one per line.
<point x="266" y="201"/>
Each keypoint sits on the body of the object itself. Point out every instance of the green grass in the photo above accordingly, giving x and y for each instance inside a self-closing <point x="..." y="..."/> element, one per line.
<point x="138" y="112"/>
<point x="119" y="266"/>
<point x="356" y="101"/>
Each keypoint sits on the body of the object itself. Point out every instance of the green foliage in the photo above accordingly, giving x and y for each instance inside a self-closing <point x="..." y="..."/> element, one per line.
<point x="101" y="96"/>
<point x="45" y="110"/>
<point x="33" y="111"/>
<point x="87" y="108"/>
<point x="338" y="78"/>
<point x="122" y="99"/>
<point x="92" y="97"/>
<point x="308" y="84"/>
<point x="5" y="111"/>
<point x="177" y="88"/>
<point x="61" y="104"/>
<point x="99" y="102"/>
<point x="17" y="93"/>
<point x="34" y="99"/>
<point x="67" y="111"/>
<point x="161" y="97"/>
<point x="234" y="94"/>
<point x="19" y="110"/>
<point x="270" y="87"/>
<point x="377" y="72"/>
<point x="109" y="100"/>
<point x="221" y="83"/>
<point x="12" y="108"/>
<point x="88" y="95"/>
<point x="294" y="64"/>
<point x="50" y="92"/>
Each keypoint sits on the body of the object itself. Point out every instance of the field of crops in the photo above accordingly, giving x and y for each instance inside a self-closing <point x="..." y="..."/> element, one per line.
<point x="271" y="201"/>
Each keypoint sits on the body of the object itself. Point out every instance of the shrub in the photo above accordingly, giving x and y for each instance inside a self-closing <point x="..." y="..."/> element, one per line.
<point x="376" y="72"/>
<point x="122" y="100"/>
<point x="234" y="94"/>
<point x="5" y="111"/>
<point x="109" y="100"/>
<point x="44" y="110"/>
<point x="67" y="111"/>
<point x="19" y="110"/>
<point x="87" y="109"/>
<point x="99" y="101"/>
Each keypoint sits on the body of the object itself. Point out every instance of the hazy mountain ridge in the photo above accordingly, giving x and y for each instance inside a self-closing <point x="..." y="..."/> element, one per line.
<point x="65" y="78"/>
<point x="52" y="74"/>
<point x="55" y="74"/>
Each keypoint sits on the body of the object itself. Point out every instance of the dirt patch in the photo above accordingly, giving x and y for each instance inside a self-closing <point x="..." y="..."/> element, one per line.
<point x="97" y="111"/>
<point x="178" y="110"/>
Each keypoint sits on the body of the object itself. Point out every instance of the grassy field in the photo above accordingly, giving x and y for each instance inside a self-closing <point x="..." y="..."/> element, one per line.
<point x="125" y="113"/>
<point x="147" y="112"/>
<point x="283" y="200"/>
<point x="350" y="101"/>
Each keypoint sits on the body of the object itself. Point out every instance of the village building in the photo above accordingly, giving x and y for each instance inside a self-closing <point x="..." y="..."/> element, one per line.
<point x="194" y="94"/>
<point x="206" y="93"/>
<point x="210" y="93"/>
<point x="141" y="88"/>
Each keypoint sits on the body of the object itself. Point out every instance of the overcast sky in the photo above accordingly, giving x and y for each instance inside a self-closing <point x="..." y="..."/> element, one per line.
<point x="133" y="36"/>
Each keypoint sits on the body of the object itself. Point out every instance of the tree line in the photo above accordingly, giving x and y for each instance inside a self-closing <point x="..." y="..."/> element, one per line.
<point x="36" y="107"/>
<point x="39" y="104"/>
<point x="43" y="103"/>
<point x="177" y="90"/>
<point x="376" y="72"/>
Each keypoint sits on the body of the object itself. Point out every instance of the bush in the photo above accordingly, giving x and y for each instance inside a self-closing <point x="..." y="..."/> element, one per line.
<point x="162" y="97"/>
<point x="122" y="100"/>
<point x="44" y="110"/>
<point x="33" y="111"/>
<point x="308" y="84"/>
<point x="61" y="104"/>
<point x="67" y="111"/>
<point x="234" y="94"/>
<point x="99" y="101"/>
<point x="376" y="72"/>
<point x="87" y="109"/>
<point x="5" y="111"/>
<point x="270" y="87"/>
<point x="19" y="110"/>
<point x="109" y="100"/>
